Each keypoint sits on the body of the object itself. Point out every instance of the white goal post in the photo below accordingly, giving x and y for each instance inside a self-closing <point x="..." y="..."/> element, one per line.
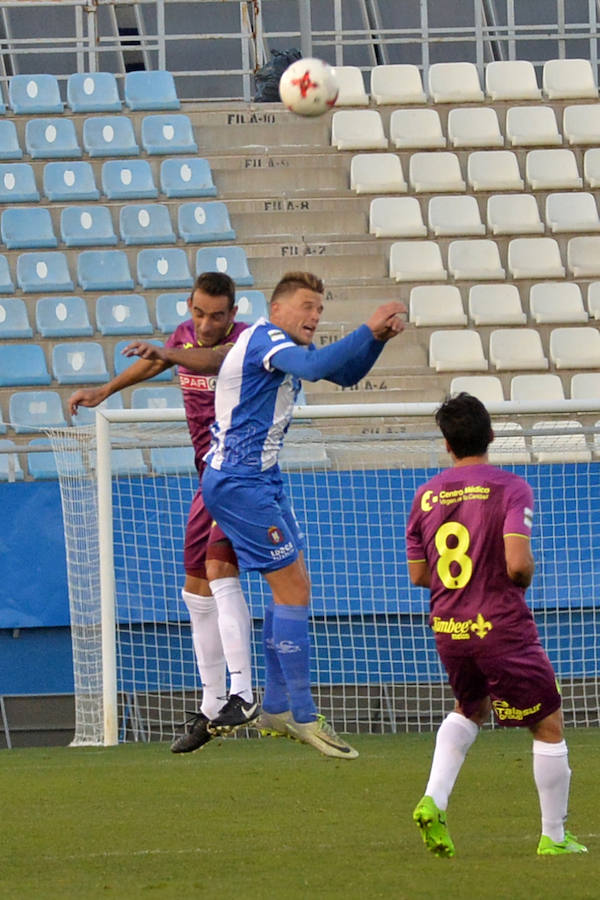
<point x="351" y="472"/>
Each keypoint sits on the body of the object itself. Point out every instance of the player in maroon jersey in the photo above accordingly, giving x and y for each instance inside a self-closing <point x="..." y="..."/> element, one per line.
<point x="208" y="556"/>
<point x="468" y="541"/>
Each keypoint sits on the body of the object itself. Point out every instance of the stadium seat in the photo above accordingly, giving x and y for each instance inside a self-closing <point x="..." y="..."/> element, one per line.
<point x="474" y="260"/>
<point x="122" y="362"/>
<point x="508" y="449"/>
<point x="585" y="386"/>
<point x="583" y="259"/>
<point x="104" y="270"/>
<point x="593" y="299"/>
<point x="430" y="172"/>
<point x="591" y="167"/>
<point x="157" y="397"/>
<point x="562" y="448"/>
<point x="231" y="260"/>
<point x="22" y="364"/>
<point x="128" y="462"/>
<point x="14" y="321"/>
<point x="551" y="169"/>
<point x="397" y="84"/>
<point x="451" y="351"/>
<point x="43" y="271"/>
<point x="514" y="214"/>
<point x="17" y="184"/>
<point x="166" y="134"/>
<point x="86" y="415"/>
<point x="251" y="305"/>
<point x="6" y="282"/>
<point x="51" y="139"/>
<point x="511" y="80"/>
<point x="487" y="388"/>
<point x="122" y="314"/>
<point x="35" y="410"/>
<point x="377" y="173"/>
<point x="109" y="136"/>
<point x="563" y="79"/>
<point x="494" y="170"/>
<point x="154" y="89"/>
<point x="70" y="181"/>
<point x="9" y="141"/>
<point x="416" y="261"/>
<point x="495" y="304"/>
<point x="454" y="215"/>
<point x="474" y="127"/>
<point x="187" y="178"/>
<point x="575" y="348"/>
<point x="517" y="348"/>
<point x="454" y="82"/>
<point x="166" y="267"/>
<point x="581" y="123"/>
<point x="436" y="305"/>
<point x="148" y="223"/>
<point x="87" y="226"/>
<point x="42" y="464"/>
<point x="537" y="257"/>
<point x="62" y="317"/>
<point x="79" y="362"/>
<point x="93" y="92"/>
<point x="533" y="388"/>
<point x="559" y="301"/>
<point x="172" y="460"/>
<point x="171" y="310"/>
<point x="572" y="211"/>
<point x="200" y="222"/>
<point x="358" y="129"/>
<point x="131" y="180"/>
<point x="10" y="467"/>
<point x="416" y="129"/>
<point x="33" y="94"/>
<point x="396" y="217"/>
<point x="25" y="227"/>
<point x="351" y="86"/>
<point x="530" y="126"/>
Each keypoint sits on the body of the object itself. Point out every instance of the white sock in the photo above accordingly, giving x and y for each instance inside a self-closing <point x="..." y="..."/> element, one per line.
<point x="234" y="625"/>
<point x="552" y="777"/>
<point x="454" y="738"/>
<point x="208" y="648"/>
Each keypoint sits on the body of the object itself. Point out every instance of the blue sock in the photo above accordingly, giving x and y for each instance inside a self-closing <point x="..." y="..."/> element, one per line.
<point x="276" y="698"/>
<point x="292" y="643"/>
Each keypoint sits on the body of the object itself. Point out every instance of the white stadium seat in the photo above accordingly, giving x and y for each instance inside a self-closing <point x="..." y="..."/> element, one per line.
<point x="593" y="299"/>
<point x="351" y="86"/>
<point x="450" y="215"/>
<point x="397" y="84"/>
<point x="583" y="256"/>
<point x="591" y="167"/>
<point x="455" y="351"/>
<point x="531" y="388"/>
<point x="537" y="257"/>
<point x="551" y="169"/>
<point x="585" y="386"/>
<point x="396" y="217"/>
<point x="563" y="79"/>
<point x="474" y="260"/>
<point x="581" y="123"/>
<point x="512" y="79"/>
<point x="514" y="214"/>
<point x="436" y="305"/>
<point x="575" y="348"/>
<point x="416" y="129"/>
<point x="377" y="173"/>
<point x="416" y="261"/>
<point x="529" y="126"/>
<point x="496" y="304"/>
<point x="433" y="172"/>
<point x="572" y="211"/>
<point x="357" y="129"/>
<point x="478" y="127"/>
<point x="454" y="82"/>
<point x="556" y="301"/>
<point x="517" y="348"/>
<point x="494" y="170"/>
<point x="560" y="448"/>
<point x="487" y="388"/>
<point x="505" y="449"/>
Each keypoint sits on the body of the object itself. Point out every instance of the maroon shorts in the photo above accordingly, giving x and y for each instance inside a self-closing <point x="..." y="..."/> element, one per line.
<point x="521" y="684"/>
<point x="202" y="534"/>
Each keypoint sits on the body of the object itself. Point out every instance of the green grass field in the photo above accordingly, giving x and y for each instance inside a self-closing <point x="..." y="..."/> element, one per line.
<point x="270" y="818"/>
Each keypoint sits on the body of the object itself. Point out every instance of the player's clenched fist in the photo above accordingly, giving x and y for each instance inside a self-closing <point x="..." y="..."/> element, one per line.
<point x="388" y="320"/>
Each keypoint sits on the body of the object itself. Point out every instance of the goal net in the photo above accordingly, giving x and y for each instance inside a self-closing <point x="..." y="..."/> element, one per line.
<point x="126" y="489"/>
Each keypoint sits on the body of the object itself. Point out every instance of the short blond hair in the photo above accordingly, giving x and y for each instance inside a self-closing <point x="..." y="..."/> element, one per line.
<point x="295" y="281"/>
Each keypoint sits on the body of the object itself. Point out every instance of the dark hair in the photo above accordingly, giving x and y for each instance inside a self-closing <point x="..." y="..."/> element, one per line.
<point x="215" y="284"/>
<point x="295" y="281"/>
<point x="465" y="423"/>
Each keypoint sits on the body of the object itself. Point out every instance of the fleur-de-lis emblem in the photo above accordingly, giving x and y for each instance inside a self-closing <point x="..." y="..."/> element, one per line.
<point x="480" y="626"/>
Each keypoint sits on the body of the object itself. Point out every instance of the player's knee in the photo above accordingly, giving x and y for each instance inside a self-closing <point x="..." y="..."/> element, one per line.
<point x="550" y="729"/>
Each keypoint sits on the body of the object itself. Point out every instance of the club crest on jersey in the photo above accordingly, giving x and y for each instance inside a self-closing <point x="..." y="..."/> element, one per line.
<point x="275" y="535"/>
<point x="276" y="335"/>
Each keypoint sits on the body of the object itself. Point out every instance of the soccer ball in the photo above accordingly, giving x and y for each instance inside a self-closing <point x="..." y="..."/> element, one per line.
<point x="308" y="87"/>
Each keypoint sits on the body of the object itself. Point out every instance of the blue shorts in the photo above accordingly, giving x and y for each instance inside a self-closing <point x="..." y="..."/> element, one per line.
<point x="255" y="514"/>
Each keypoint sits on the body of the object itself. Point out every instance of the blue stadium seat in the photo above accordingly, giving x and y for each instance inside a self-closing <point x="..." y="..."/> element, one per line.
<point x="3" y="427"/>
<point x="42" y="463"/>
<point x="231" y="260"/>
<point x="159" y="397"/>
<point x="148" y="223"/>
<point x="168" y="134"/>
<point x="35" y="410"/>
<point x="123" y="362"/>
<point x="32" y="94"/>
<point x="14" y="321"/>
<point x="62" y="317"/>
<point x="200" y="222"/>
<point x="17" y="183"/>
<point x="172" y="460"/>
<point x="23" y="364"/>
<point x="164" y="268"/>
<point x="131" y="180"/>
<point x="128" y="462"/>
<point x="43" y="271"/>
<point x="104" y="270"/>
<point x="10" y="467"/>
<point x="6" y="282"/>
<point x="122" y="314"/>
<point x="153" y="89"/>
<point x="87" y="226"/>
<point x="190" y="177"/>
<point x="9" y="141"/>
<point x="93" y="92"/>
<point x="25" y="227"/>
<point x="109" y="136"/>
<point x="171" y="310"/>
<point x="51" y="139"/>
<point x="79" y="362"/>
<point x="251" y="305"/>
<point x="69" y="181"/>
<point x="2" y="105"/>
<point x="86" y="415"/>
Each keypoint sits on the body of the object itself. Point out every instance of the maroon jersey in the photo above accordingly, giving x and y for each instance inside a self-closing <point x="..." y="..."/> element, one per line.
<point x="457" y="525"/>
<point x="199" y="390"/>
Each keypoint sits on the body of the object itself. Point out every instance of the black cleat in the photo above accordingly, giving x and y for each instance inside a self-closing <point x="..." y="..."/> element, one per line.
<point x="236" y="713"/>
<point x="195" y="737"/>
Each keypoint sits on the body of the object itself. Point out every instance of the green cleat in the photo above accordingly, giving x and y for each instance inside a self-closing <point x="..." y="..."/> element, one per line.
<point x="274" y="724"/>
<point x="431" y="822"/>
<point x="548" y="847"/>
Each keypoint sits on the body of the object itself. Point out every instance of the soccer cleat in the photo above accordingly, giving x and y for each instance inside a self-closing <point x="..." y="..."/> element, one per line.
<point x="236" y="713"/>
<point x="195" y="737"/>
<point x="274" y="724"/>
<point x="570" y="844"/>
<point x="320" y="734"/>
<point x="431" y="822"/>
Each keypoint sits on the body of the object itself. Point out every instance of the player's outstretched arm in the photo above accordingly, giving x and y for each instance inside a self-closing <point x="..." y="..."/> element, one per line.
<point x="204" y="360"/>
<point x="141" y="370"/>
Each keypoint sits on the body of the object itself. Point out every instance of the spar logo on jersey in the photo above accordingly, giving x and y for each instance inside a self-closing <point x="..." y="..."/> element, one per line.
<point x="275" y="535"/>
<point x="197" y="382"/>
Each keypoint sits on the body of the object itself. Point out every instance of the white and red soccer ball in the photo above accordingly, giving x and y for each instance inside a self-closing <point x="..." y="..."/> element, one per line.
<point x="308" y="87"/>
